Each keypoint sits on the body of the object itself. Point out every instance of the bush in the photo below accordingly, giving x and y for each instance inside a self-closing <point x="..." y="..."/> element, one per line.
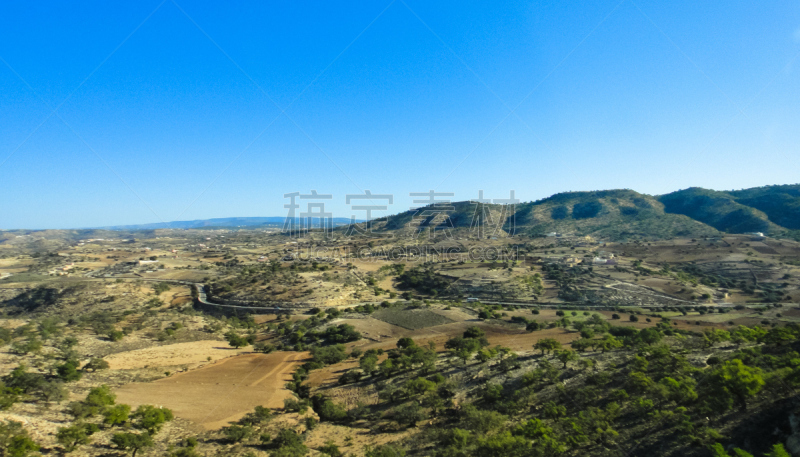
<point x="72" y="437"/>
<point x="236" y="341"/>
<point x="237" y="433"/>
<point x="480" y="421"/>
<point x="384" y="450"/>
<point x="329" y="355"/>
<point x="68" y="371"/>
<point x="288" y="443"/>
<point x="96" y="364"/>
<point x="132" y="441"/>
<point x="294" y="405"/>
<point x="328" y="411"/>
<point x="264" y="348"/>
<point x="116" y="415"/>
<point x="150" y="418"/>
<point x="100" y="397"/>
<point x="331" y="449"/>
<point x="351" y="376"/>
<point x="14" y="440"/>
<point x="259" y="415"/>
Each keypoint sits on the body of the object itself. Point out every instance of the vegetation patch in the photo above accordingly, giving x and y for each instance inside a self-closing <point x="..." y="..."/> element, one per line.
<point x="412" y="319"/>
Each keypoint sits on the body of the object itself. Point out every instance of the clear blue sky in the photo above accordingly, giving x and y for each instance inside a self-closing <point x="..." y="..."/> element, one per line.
<point x="156" y="122"/>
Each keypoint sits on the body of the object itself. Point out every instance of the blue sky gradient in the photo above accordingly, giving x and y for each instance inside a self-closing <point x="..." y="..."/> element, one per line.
<point x="190" y="110"/>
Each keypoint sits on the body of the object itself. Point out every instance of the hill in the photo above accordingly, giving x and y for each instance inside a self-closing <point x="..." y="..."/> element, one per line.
<point x="613" y="214"/>
<point x="717" y="209"/>
<point x="780" y="203"/>
<point x="618" y="214"/>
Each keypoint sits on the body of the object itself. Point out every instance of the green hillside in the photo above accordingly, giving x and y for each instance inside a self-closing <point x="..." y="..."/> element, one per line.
<point x="613" y="214"/>
<point x="780" y="203"/>
<point x="717" y="209"/>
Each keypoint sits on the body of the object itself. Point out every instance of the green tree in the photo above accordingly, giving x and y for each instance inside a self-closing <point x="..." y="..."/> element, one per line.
<point x="608" y="343"/>
<point x="714" y="336"/>
<point x="116" y="415"/>
<point x="15" y="440"/>
<point x="287" y="443"/>
<point x="100" y="396"/>
<point x="259" y="415"/>
<point x="150" y="418"/>
<point x="53" y="391"/>
<point x="566" y="356"/>
<point x="68" y="371"/>
<point x="235" y="340"/>
<point x="132" y="441"/>
<point x="419" y="386"/>
<point x="71" y="437"/>
<point x="236" y="433"/>
<point x="547" y="344"/>
<point x="777" y="451"/>
<point x="368" y="363"/>
<point x="737" y="381"/>
<point x="8" y="396"/>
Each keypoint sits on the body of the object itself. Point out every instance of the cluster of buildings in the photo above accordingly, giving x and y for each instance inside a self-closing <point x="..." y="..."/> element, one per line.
<point x="604" y="258"/>
<point x="62" y="271"/>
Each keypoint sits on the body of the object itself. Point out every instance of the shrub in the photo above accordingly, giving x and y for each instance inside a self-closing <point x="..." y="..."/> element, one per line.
<point x="330" y="449"/>
<point x="14" y="440"/>
<point x="68" y="371"/>
<point x="236" y="433"/>
<point x="409" y="414"/>
<point x="72" y="437"/>
<point x="264" y="348"/>
<point x="259" y="415"/>
<point x="288" y="443"/>
<point x="96" y="364"/>
<point x="100" y="396"/>
<point x="295" y="405"/>
<point x="384" y="450"/>
<point x="329" y="355"/>
<point x="150" y="418"/>
<point x="328" y="411"/>
<point x="116" y="415"/>
<point x="132" y="441"/>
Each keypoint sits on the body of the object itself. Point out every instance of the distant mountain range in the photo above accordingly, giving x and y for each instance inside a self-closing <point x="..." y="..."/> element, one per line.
<point x="249" y="222"/>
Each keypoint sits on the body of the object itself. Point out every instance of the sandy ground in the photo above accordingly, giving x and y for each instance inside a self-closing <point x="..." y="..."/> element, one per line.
<point x="188" y="354"/>
<point x="217" y="394"/>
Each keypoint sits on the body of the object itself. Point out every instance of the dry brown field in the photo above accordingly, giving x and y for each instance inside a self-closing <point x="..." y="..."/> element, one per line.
<point x="217" y="394"/>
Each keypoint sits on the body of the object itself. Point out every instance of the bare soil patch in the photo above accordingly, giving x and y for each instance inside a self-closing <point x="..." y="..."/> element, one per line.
<point x="217" y="394"/>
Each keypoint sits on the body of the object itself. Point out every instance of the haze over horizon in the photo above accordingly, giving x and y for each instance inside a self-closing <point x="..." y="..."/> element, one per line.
<point x="140" y="112"/>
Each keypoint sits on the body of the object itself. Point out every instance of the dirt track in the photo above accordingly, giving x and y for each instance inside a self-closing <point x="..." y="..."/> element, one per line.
<point x="216" y="394"/>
